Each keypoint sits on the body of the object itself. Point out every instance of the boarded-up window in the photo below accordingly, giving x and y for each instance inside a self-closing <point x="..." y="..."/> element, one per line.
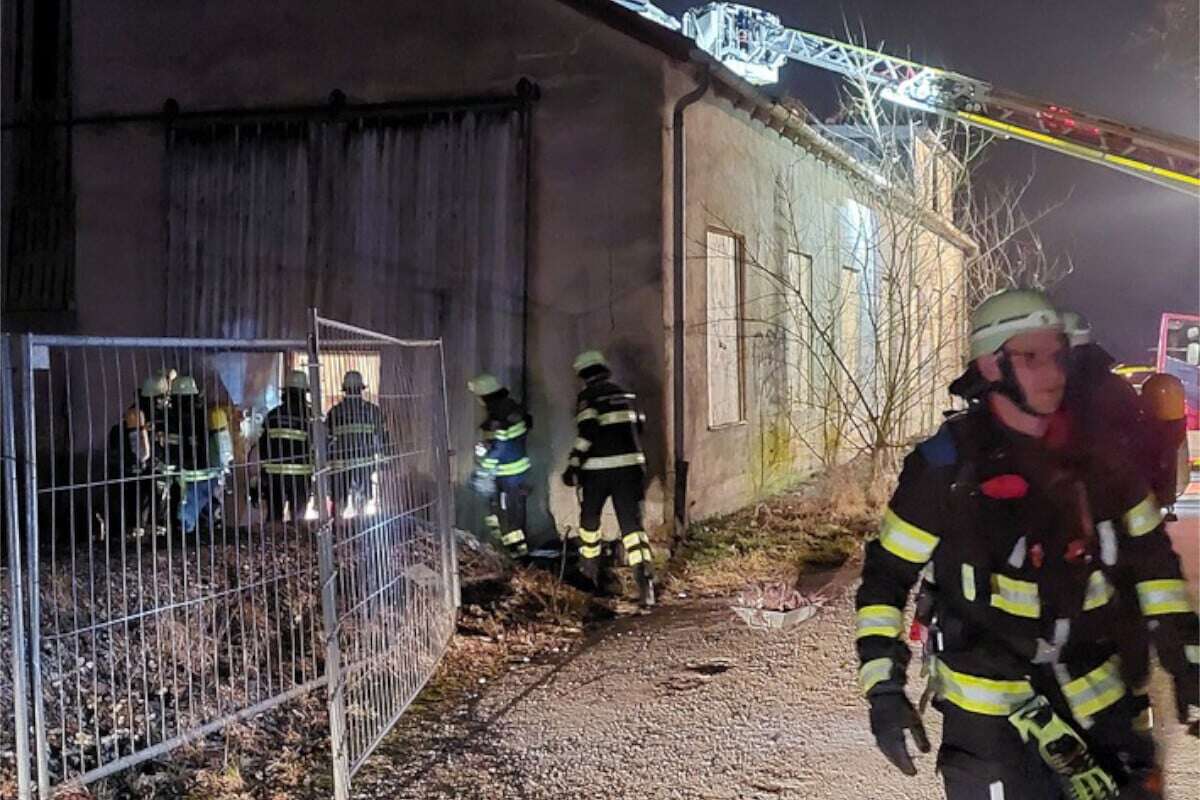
<point x="799" y="279"/>
<point x="724" y="329"/>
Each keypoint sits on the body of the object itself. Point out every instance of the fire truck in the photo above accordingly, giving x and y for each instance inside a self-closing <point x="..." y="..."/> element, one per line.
<point x="1179" y="355"/>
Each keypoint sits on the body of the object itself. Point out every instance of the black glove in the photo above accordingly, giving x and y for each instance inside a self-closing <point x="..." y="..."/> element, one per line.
<point x="891" y="715"/>
<point x="570" y="476"/>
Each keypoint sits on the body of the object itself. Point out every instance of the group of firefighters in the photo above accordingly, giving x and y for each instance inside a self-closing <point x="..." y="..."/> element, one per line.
<point x="606" y="461"/>
<point x="174" y="454"/>
<point x="1033" y="523"/>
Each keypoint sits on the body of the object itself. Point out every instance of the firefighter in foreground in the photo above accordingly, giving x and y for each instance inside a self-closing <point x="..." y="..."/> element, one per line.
<point x="1028" y="551"/>
<point x="502" y="462"/>
<point x="607" y="461"/>
<point x="357" y="430"/>
<point x="285" y="452"/>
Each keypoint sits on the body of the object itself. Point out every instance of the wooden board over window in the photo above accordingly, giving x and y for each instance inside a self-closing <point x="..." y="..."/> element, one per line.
<point x="724" y="267"/>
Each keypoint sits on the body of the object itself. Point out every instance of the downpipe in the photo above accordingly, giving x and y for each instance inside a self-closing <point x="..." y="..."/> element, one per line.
<point x="678" y="300"/>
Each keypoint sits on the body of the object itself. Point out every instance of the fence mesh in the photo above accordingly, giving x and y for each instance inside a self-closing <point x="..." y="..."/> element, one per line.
<point x="384" y="460"/>
<point x="174" y="537"/>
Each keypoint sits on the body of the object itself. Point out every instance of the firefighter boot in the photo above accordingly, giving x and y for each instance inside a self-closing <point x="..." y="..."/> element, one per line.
<point x="644" y="576"/>
<point x="590" y="569"/>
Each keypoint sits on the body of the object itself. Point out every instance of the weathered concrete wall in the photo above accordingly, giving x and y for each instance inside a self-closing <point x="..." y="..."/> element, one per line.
<point x="747" y="180"/>
<point x="595" y="277"/>
<point x="775" y="196"/>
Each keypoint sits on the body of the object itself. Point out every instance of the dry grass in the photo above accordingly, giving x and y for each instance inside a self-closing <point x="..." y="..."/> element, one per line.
<point x="817" y="525"/>
<point x="508" y="615"/>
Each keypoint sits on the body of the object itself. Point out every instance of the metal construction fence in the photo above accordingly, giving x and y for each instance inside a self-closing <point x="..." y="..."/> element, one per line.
<point x="197" y="530"/>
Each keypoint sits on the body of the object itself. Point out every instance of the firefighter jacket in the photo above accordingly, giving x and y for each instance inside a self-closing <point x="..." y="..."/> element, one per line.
<point x="609" y="428"/>
<point x="187" y="439"/>
<point x="1028" y="552"/>
<point x="356" y="430"/>
<point x="284" y="447"/>
<point x="504" y="434"/>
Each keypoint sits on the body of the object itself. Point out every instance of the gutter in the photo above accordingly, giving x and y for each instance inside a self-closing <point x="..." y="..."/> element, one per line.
<point x="678" y="302"/>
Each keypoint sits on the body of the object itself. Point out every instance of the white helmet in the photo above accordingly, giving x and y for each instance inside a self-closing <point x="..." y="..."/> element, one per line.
<point x="483" y="385"/>
<point x="1008" y="313"/>
<point x="1077" y="328"/>
<point x="352" y="381"/>
<point x="296" y="379"/>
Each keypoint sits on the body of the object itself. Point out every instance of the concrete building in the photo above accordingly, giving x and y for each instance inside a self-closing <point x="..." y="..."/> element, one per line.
<point x="523" y="178"/>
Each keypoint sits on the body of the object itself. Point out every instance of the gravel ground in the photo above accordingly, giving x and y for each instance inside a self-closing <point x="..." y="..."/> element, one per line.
<point x="684" y="703"/>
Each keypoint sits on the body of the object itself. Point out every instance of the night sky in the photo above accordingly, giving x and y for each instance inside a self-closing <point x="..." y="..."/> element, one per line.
<point x="1136" y="246"/>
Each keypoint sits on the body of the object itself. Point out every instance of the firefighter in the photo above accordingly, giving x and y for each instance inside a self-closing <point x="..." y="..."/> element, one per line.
<point x="187" y="448"/>
<point x="502" y="458"/>
<point x="607" y="461"/>
<point x="285" y="451"/>
<point x="1099" y="405"/>
<point x="1165" y="412"/>
<point x="137" y="451"/>
<point x="129" y="464"/>
<point x="356" y="428"/>
<point x="154" y="400"/>
<point x="1027" y="551"/>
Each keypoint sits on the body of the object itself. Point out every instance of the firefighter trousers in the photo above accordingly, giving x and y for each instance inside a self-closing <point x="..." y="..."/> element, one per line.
<point x="292" y="490"/>
<point x="351" y="483"/>
<point x="507" y="520"/>
<point x="626" y="487"/>
<point x="983" y="756"/>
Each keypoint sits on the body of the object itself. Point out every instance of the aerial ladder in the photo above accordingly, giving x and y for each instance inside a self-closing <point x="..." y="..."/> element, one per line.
<point x="754" y="44"/>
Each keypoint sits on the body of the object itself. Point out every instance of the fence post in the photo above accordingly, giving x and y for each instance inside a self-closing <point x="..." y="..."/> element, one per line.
<point x="329" y="572"/>
<point x="447" y="504"/>
<point x="17" y="642"/>
<point x="25" y="364"/>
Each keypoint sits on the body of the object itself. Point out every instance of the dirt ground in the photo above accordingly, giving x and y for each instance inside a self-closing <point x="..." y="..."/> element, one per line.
<point x="685" y="703"/>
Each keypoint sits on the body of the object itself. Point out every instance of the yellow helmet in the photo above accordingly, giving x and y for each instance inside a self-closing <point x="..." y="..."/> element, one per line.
<point x="217" y="419"/>
<point x="484" y="384"/>
<point x="1163" y="396"/>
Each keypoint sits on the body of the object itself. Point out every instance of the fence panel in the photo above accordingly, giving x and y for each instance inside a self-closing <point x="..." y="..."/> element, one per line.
<point x="168" y="596"/>
<point x="188" y="541"/>
<point x="388" y="564"/>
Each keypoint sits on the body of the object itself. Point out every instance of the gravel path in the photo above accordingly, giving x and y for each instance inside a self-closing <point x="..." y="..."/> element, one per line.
<point x="685" y="703"/>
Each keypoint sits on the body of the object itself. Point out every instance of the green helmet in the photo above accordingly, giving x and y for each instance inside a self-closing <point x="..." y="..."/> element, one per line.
<point x="484" y="384"/>
<point x="589" y="358"/>
<point x="1077" y="328"/>
<point x="1007" y="314"/>
<point x="296" y="379"/>
<point x="156" y="386"/>
<point x="352" y="381"/>
<point x="184" y="384"/>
